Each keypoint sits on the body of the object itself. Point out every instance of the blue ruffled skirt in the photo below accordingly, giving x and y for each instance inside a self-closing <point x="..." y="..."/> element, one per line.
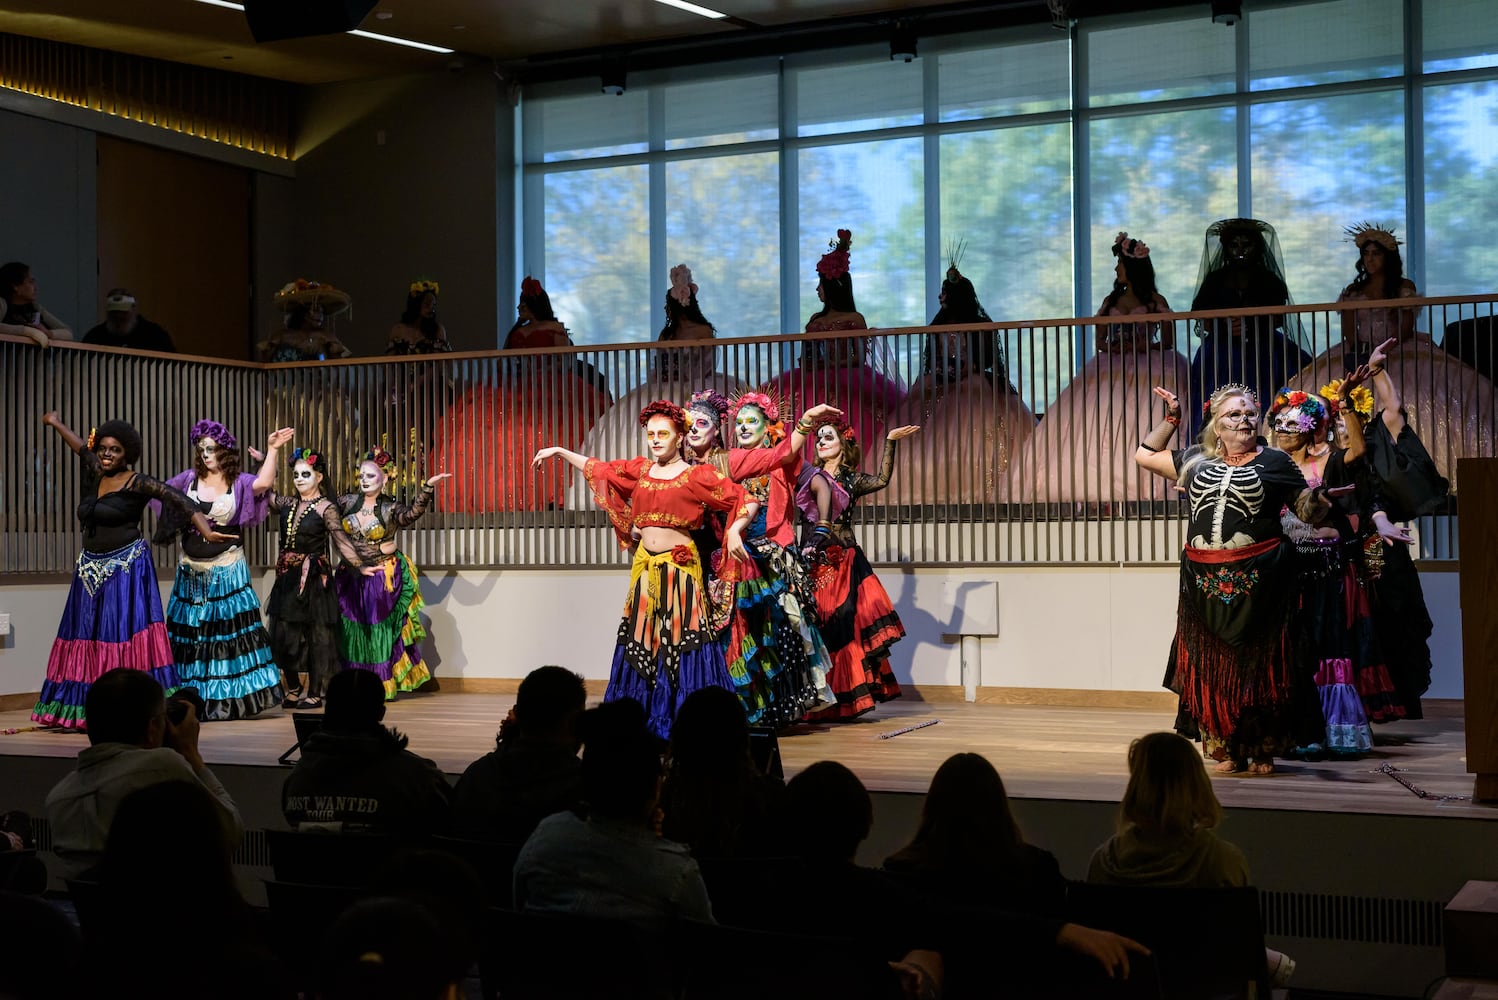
<point x="218" y="640"/>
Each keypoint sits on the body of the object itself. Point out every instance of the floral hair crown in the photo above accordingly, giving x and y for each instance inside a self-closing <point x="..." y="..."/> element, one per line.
<point x="762" y="400"/>
<point x="834" y="263"/>
<point x="1361" y="398"/>
<point x="381" y="458"/>
<point x="1364" y="233"/>
<point x="530" y="288"/>
<point x="213" y="429"/>
<point x="423" y="285"/>
<point x="1310" y="412"/>
<point x="303" y="455"/>
<point x="682" y="287"/>
<point x="709" y="401"/>
<point x="1123" y="246"/>
<point x="1231" y="389"/>
<point x="842" y="427"/>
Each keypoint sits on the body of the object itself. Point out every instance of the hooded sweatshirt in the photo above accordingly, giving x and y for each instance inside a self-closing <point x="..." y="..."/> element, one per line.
<point x="365" y="782"/>
<point x="1197" y="861"/>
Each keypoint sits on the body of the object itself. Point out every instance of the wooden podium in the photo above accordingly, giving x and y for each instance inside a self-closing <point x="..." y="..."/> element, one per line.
<point x="1477" y="522"/>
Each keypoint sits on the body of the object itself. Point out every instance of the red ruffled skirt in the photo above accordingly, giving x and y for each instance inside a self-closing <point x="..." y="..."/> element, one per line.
<point x="859" y="625"/>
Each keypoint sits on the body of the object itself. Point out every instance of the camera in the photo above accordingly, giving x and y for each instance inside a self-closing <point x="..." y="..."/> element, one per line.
<point x="176" y="705"/>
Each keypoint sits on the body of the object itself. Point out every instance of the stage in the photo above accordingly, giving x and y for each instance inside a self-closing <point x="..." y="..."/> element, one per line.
<point x="1073" y="754"/>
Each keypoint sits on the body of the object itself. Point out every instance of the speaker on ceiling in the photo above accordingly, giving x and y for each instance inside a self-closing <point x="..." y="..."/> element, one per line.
<point x="273" y="20"/>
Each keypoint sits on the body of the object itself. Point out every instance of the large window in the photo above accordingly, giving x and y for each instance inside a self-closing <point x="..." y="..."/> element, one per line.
<point x="1302" y="115"/>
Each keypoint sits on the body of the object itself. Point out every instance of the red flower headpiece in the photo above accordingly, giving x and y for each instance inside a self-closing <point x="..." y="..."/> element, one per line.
<point x="762" y="400"/>
<point x="530" y="288"/>
<point x="381" y="458"/>
<point x="665" y="408"/>
<point x="844" y="429"/>
<point x="835" y="263"/>
<point x="304" y="455"/>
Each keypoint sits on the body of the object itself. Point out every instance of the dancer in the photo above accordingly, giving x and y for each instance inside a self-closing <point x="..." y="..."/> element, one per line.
<point x="974" y="423"/>
<point x="1084" y="443"/>
<point x="219" y="644"/>
<point x="776" y="656"/>
<point x="493" y="430"/>
<point x="665" y="649"/>
<point x="1240" y="269"/>
<point x="1242" y="691"/>
<point x="1449" y="404"/>
<point x="1333" y="623"/>
<point x="851" y="373"/>
<point x="113" y="614"/>
<point x="302" y="610"/>
<point x="1399" y="482"/>
<point x="381" y="627"/>
<point x="675" y="373"/>
<point x="858" y="621"/>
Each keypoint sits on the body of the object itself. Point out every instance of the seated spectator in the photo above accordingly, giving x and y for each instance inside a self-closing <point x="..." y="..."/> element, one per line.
<point x="1166" y="823"/>
<point x="715" y="800"/>
<point x="389" y="949"/>
<point x="614" y="864"/>
<point x="124" y="326"/>
<point x="1166" y="830"/>
<point x="356" y="776"/>
<point x="22" y="315"/>
<point x="533" y="770"/>
<point x="163" y="851"/>
<point x="133" y="744"/>
<point x="969" y="849"/>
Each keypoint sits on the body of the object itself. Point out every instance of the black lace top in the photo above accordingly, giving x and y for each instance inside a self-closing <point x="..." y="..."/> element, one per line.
<point x="112" y="521"/>
<point x="369" y="535"/>
<point x="307" y="527"/>
<point x="861" y="484"/>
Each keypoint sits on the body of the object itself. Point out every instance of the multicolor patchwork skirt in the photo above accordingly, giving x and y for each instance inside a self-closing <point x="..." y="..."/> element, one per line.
<point x="382" y="623"/>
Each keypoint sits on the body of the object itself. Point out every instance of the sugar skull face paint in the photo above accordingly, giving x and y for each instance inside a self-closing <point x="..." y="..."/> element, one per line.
<point x="308" y="481"/>
<point x="208" y="450"/>
<point x="371" y="479"/>
<point x="662" y="438"/>
<point x="750" y="426"/>
<point x="702" y="429"/>
<point x="829" y="442"/>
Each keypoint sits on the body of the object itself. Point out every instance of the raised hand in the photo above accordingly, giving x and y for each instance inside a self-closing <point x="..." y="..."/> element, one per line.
<point x="51" y="418"/>
<point x="544" y="454"/>
<point x="1380" y="357"/>
<point x="1353" y="379"/>
<point x="1172" y="401"/>
<point x="821" y="413"/>
<point x="278" y="438"/>
<point x="438" y="478"/>
<point x="902" y="432"/>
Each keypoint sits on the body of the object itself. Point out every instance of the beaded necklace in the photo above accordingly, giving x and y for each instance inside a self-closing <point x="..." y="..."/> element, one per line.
<point x="294" y="518"/>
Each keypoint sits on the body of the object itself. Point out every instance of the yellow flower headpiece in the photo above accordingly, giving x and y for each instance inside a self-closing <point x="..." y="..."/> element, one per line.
<point x="1361" y="397"/>
<point x="423" y="285"/>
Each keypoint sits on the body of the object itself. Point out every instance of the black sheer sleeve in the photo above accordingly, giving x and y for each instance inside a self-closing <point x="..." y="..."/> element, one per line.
<point x="333" y="521"/>
<point x="167" y="495"/>
<point x="861" y="484"/>
<point x="92" y="471"/>
<point x="280" y="504"/>
<point x="403" y="516"/>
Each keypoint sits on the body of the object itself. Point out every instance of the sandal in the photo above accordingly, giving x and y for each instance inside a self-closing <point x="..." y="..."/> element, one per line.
<point x="313" y="702"/>
<point x="292" y="698"/>
<point x="1262" y="766"/>
<point x="1230" y="766"/>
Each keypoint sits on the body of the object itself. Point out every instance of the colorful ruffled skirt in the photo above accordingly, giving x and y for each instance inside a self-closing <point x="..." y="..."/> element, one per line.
<point x="219" y="643"/>
<point x="112" y="619"/>
<point x="1337" y="634"/>
<point x="859" y="625"/>
<point x="303" y="620"/>
<point x="665" y="649"/>
<point x="775" y="654"/>
<point x="1234" y="661"/>
<point x="381" y="629"/>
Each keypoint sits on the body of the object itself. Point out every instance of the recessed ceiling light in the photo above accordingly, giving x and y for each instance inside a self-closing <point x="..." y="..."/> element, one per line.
<point x="692" y="8"/>
<point x="362" y="34"/>
<point x="383" y="15"/>
<point x="460" y="27"/>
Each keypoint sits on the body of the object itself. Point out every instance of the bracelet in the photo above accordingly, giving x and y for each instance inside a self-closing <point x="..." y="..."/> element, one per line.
<point x="805" y="426"/>
<point x="1173" y="419"/>
<point x="1152" y="451"/>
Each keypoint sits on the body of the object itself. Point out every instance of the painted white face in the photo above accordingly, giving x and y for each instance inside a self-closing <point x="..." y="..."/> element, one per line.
<point x="208" y="449"/>
<point x="371" y="479"/>
<point x="1237" y="415"/>
<point x="306" y="479"/>
<point x="750" y="426"/>
<point x="1287" y="422"/>
<point x="829" y="443"/>
<point x="702" y="429"/>
<point x="662" y="438"/>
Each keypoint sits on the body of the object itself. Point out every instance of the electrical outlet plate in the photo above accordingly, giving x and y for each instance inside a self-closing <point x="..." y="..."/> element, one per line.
<point x="4" y="623"/>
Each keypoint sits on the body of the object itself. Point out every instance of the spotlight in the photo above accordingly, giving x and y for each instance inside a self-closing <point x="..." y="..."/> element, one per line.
<point x="1228" y="12"/>
<point x="613" y="77"/>
<point x="902" y="42"/>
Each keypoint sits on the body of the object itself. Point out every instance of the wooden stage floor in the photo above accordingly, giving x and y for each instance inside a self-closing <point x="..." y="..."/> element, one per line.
<point x="1042" y="752"/>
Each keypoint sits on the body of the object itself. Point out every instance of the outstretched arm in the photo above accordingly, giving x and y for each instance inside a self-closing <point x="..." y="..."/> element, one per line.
<point x="1385" y="392"/>
<point x="1356" y="447"/>
<point x="53" y="419"/>
<point x="407" y="516"/>
<point x="572" y="458"/>
<point x="1152" y="453"/>
<point x="266" y="477"/>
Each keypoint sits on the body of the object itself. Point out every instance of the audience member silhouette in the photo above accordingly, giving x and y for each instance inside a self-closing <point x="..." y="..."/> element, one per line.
<point x="533" y="770"/>
<point x="390" y="949"/>
<point x="133" y="744"/>
<point x="614" y="864"/>
<point x="356" y="775"/>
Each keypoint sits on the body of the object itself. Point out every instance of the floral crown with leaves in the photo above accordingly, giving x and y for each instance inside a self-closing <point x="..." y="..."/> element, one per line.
<point x="835" y="262"/>
<point x="382" y="460"/>
<point x="767" y="404"/>
<point x="1123" y="246"/>
<point x="423" y="285"/>
<point x="213" y="429"/>
<point x="1310" y="412"/>
<point x="1363" y="233"/>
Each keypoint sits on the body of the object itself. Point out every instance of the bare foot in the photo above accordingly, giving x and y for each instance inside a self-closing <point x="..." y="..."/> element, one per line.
<point x="1262" y="766"/>
<point x="1228" y="766"/>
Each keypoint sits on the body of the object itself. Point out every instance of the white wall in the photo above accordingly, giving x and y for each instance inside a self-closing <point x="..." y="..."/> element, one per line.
<point x="1088" y="628"/>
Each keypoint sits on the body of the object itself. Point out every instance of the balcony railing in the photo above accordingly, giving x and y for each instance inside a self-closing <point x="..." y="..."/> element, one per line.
<point x="1025" y="452"/>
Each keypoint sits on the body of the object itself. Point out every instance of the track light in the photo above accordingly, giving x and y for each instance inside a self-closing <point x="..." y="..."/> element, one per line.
<point x="613" y="77"/>
<point x="902" y="43"/>
<point x="1228" y="12"/>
